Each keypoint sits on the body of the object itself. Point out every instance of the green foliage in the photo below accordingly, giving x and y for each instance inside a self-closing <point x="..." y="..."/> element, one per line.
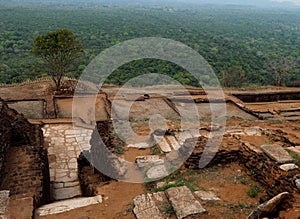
<point x="295" y="156"/>
<point x="167" y="208"/>
<point x="58" y="49"/>
<point x="169" y="185"/>
<point x="226" y="37"/>
<point x="253" y="191"/>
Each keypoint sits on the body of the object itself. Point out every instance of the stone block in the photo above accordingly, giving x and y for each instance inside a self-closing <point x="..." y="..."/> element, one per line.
<point x="183" y="202"/>
<point x="66" y="193"/>
<point x="145" y="207"/>
<point x="175" y="144"/>
<point x="148" y="161"/>
<point x="162" y="143"/>
<point x="207" y="196"/>
<point x="288" y="167"/>
<point x="67" y="205"/>
<point x="157" y="172"/>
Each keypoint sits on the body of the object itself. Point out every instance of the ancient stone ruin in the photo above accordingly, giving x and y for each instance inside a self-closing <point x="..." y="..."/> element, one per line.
<point x="47" y="166"/>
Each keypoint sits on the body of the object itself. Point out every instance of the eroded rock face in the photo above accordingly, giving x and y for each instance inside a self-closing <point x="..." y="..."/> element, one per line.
<point x="183" y="202"/>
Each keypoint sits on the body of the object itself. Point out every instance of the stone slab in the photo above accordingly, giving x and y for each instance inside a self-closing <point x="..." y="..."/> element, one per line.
<point x="207" y="196"/>
<point x="138" y="145"/>
<point x="174" y="143"/>
<point x="183" y="202"/>
<point x="253" y="131"/>
<point x="235" y="131"/>
<point x="277" y="153"/>
<point x="183" y="136"/>
<point x="162" y="143"/>
<point x="145" y="207"/>
<point x="148" y="161"/>
<point x="66" y="193"/>
<point x="157" y="172"/>
<point x="288" y="167"/>
<point x="67" y="205"/>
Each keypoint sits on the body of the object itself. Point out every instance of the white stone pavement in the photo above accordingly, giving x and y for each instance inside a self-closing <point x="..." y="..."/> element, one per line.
<point x="64" y="147"/>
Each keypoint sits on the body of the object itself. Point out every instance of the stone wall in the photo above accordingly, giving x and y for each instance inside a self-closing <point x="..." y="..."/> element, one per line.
<point x="23" y="160"/>
<point x="267" y="171"/>
<point x="227" y="153"/>
<point x="275" y="177"/>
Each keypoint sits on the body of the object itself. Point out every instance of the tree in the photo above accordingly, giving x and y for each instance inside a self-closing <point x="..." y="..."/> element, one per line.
<point x="233" y="77"/>
<point x="281" y="68"/>
<point x="59" y="50"/>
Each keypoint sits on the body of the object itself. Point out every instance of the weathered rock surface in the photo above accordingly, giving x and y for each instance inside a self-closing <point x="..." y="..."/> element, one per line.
<point x="148" y="161"/>
<point x="235" y="130"/>
<point x="67" y="205"/>
<point x="207" y="196"/>
<point x="162" y="143"/>
<point x="145" y="207"/>
<point x="183" y="202"/>
<point x="157" y="172"/>
<point x="297" y="183"/>
<point x="65" y="193"/>
<point x="277" y="153"/>
<point x="138" y="145"/>
<point x="253" y="131"/>
<point x="172" y="140"/>
<point x="267" y="208"/>
<point x="4" y="196"/>
<point x="288" y="167"/>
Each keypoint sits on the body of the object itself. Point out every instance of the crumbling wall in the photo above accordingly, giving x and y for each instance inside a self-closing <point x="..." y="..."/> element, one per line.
<point x="267" y="171"/>
<point x="88" y="175"/>
<point x="23" y="160"/>
<point x="227" y="153"/>
<point x="259" y="166"/>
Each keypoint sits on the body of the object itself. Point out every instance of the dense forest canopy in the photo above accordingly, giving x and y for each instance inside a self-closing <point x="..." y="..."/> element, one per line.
<point x="229" y="37"/>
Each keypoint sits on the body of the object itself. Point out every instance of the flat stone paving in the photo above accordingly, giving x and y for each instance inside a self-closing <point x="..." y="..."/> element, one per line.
<point x="64" y="147"/>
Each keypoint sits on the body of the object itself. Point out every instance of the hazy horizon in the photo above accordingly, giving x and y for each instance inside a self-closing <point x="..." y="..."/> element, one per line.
<point x="254" y="3"/>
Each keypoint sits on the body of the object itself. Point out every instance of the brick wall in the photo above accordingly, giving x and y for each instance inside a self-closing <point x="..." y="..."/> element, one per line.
<point x="23" y="159"/>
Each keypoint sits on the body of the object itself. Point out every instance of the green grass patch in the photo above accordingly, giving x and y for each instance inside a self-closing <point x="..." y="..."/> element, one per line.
<point x="253" y="191"/>
<point x="295" y="156"/>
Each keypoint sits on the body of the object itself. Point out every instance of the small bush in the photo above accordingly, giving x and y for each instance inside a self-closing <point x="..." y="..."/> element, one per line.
<point x="253" y="191"/>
